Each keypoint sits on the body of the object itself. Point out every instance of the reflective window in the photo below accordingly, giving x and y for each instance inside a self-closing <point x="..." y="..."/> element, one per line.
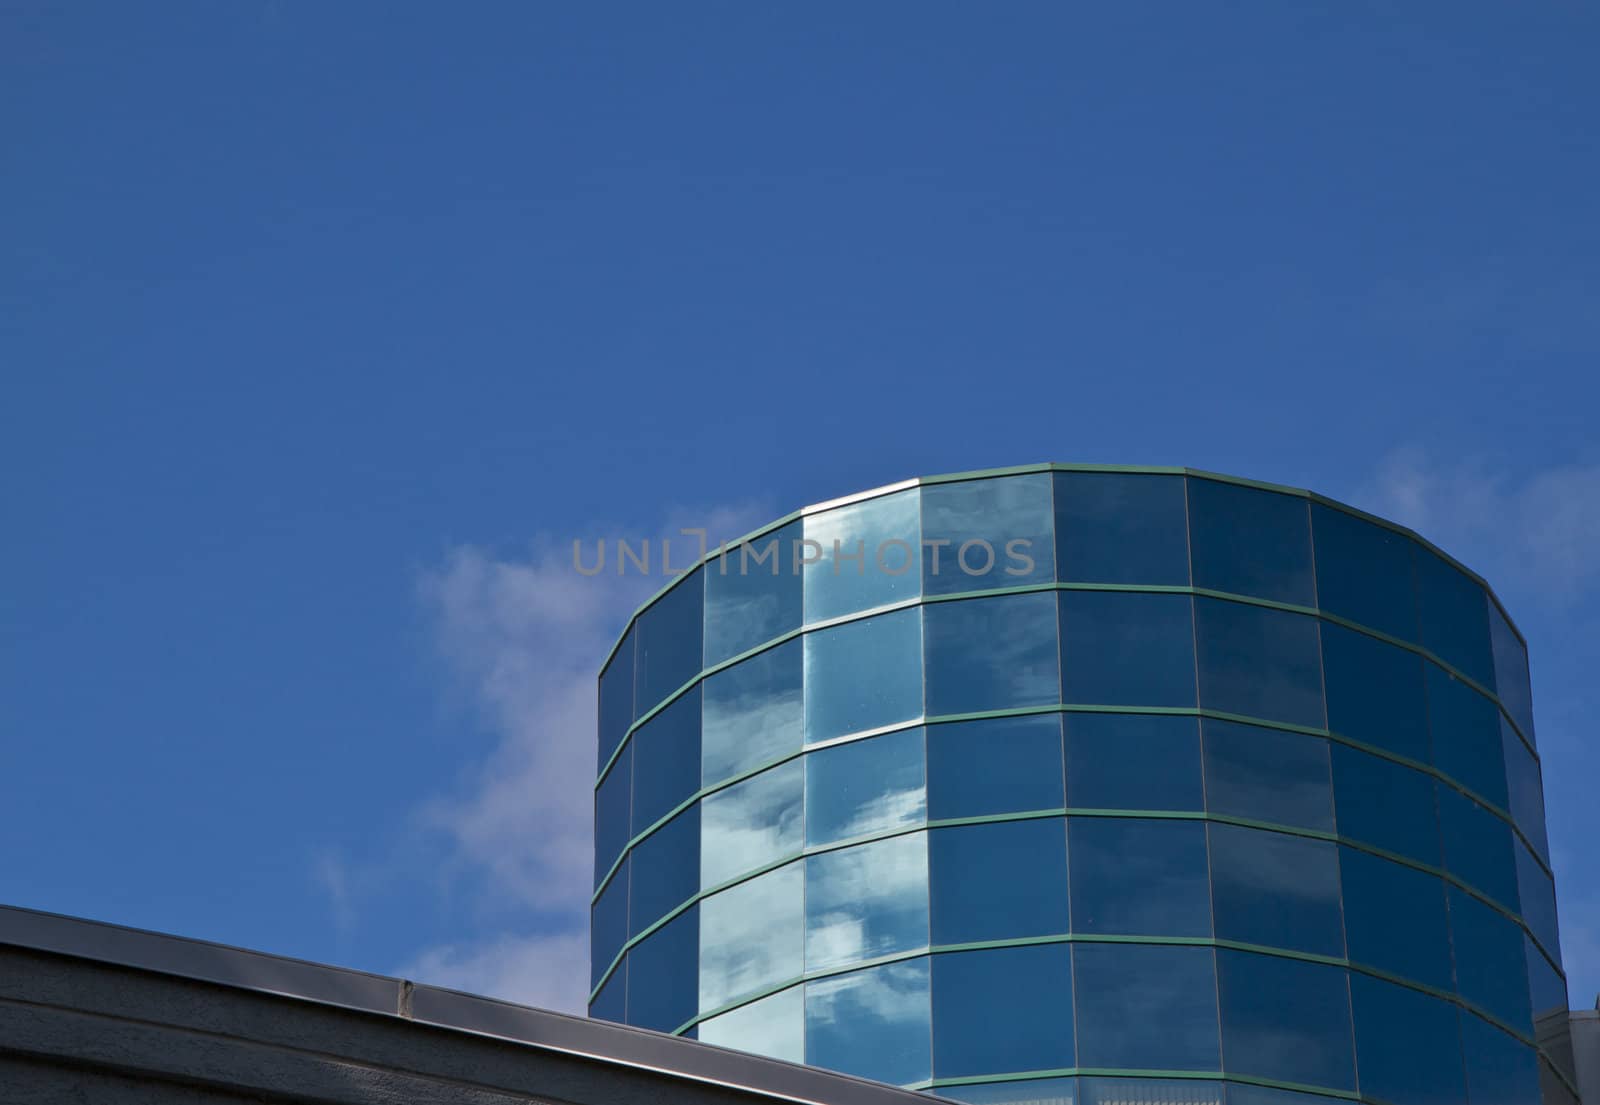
<point x="752" y="713"/>
<point x="1267" y="774"/>
<point x="991" y="654"/>
<point x="752" y="824"/>
<point x="1525" y="789"/>
<point x="1408" y="1044"/>
<point x="669" y="635"/>
<point x="1511" y="670"/>
<point x="1026" y="1091"/>
<point x="863" y="675"/>
<point x="1259" y="662"/>
<point x="1394" y="918"/>
<point x="1385" y="805"/>
<point x="661" y="974"/>
<point x="1143" y="1005"/>
<point x="611" y="1003"/>
<point x="1242" y="1093"/>
<point x="616" y="699"/>
<point x="1477" y="846"/>
<point x="666" y="761"/>
<point x="1114" y="527"/>
<point x="1375" y="692"/>
<point x="752" y="594"/>
<point x="998" y="765"/>
<point x="866" y="786"/>
<point x="1133" y="762"/>
<point x="666" y="870"/>
<point x="1148" y="1091"/>
<point x="608" y="925"/>
<point x="1285" y="1019"/>
<point x="1537" y="895"/>
<point x="613" y="801"/>
<point x="1453" y="618"/>
<point x="872" y="1023"/>
<point x="1276" y="890"/>
<point x="1364" y="572"/>
<point x="999" y="880"/>
<point x="1546" y="987"/>
<point x="863" y="555"/>
<point x="982" y="534"/>
<point x="1250" y="542"/>
<point x="1465" y="729"/>
<point x="866" y="901"/>
<point x="1500" y="1069"/>
<point x="1126" y="648"/>
<point x="1002" y="1010"/>
<point x="1491" y="968"/>
<point x="752" y="936"/>
<point x="1133" y="877"/>
<point x="775" y="1027"/>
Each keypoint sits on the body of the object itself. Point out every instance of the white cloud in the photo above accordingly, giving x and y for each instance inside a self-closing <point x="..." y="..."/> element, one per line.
<point x="551" y="972"/>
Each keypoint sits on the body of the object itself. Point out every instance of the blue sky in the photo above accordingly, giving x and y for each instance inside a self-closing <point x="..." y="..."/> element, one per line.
<point x="325" y="328"/>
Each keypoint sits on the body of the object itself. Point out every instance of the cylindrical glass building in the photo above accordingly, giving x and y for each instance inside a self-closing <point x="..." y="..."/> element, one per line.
<point x="1096" y="785"/>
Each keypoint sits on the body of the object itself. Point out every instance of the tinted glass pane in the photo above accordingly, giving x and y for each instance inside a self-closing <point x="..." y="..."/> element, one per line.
<point x="866" y="786"/>
<point x="1277" y="890"/>
<point x="752" y="594"/>
<point x="1148" y="1091"/>
<point x="613" y="801"/>
<point x="1003" y="1010"/>
<point x="865" y="555"/>
<point x="863" y="675"/>
<point x="1454" y="619"/>
<point x="753" y="823"/>
<point x="775" y="1027"/>
<point x="980" y="534"/>
<point x="999" y="881"/>
<point x="1259" y="662"/>
<point x="752" y="936"/>
<point x="1146" y="1006"/>
<point x="752" y="713"/>
<point x="1525" y="789"/>
<point x="1537" y="895"/>
<point x="1511" y="670"/>
<point x="1123" y="648"/>
<point x="1267" y="774"/>
<point x="991" y="654"/>
<point x="608" y="925"/>
<point x="1027" y="1091"/>
<point x="1000" y="765"/>
<point x="1465" y="729"/>
<point x="669" y="635"/>
<point x="872" y="1023"/>
<point x="616" y="699"/>
<point x="866" y="901"/>
<point x="1490" y="962"/>
<point x="666" y="870"/>
<point x="1250" y="542"/>
<point x="1241" y="1093"/>
<point x="1385" y="805"/>
<point x="1547" y="989"/>
<point x="1133" y="762"/>
<point x="1134" y="877"/>
<point x="1394" y="919"/>
<point x="1121" y="528"/>
<point x="661" y="974"/>
<point x="1285" y="1019"/>
<point x="666" y="761"/>
<point x="1500" y="1070"/>
<point x="611" y="1003"/>
<point x="1477" y="846"/>
<point x="1364" y="572"/>
<point x="1375" y="692"/>
<point x="1408" y="1045"/>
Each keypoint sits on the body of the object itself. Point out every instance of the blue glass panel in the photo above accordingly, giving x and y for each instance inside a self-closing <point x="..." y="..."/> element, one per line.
<point x="862" y="555"/>
<point x="1285" y="1019"/>
<point x="866" y="786"/>
<point x="775" y="1027"/>
<point x="991" y="654"/>
<point x="1375" y="692"/>
<point x="752" y="824"/>
<point x="611" y="1003"/>
<point x="608" y="924"/>
<point x="1511" y="670"/>
<point x="613" y="803"/>
<point x="1454" y="619"/>
<point x="1491" y="967"/>
<point x="863" y="675"/>
<point x="1465" y="729"/>
<point x="1385" y="805"/>
<point x="1025" y="1091"/>
<point x="1133" y="877"/>
<point x="1250" y="542"/>
<point x="1113" y="527"/>
<point x="1259" y="662"/>
<point x="666" y="760"/>
<point x="1242" y="1093"/>
<point x="866" y="901"/>
<point x="1267" y="775"/>
<point x="1133" y="762"/>
<point x="752" y="594"/>
<point x="669" y="635"/>
<point x="1537" y="895"/>
<point x="1525" y="788"/>
<point x="1547" y="990"/>
<point x="1477" y="846"/>
<point x="1501" y="1070"/>
<point x="1408" y="1044"/>
<point x="661" y="974"/>
<point x="1125" y="648"/>
<point x="1394" y="919"/>
<point x="1148" y="1006"/>
<point x="666" y="870"/>
<point x="616" y="699"/>
<point x="1149" y="1091"/>
<point x="752" y="936"/>
<point x="1364" y="572"/>
<point x="1277" y="890"/>
<point x="999" y="881"/>
<point x="999" y="765"/>
<point x="752" y="713"/>
<point x="872" y="1023"/>
<point x="1003" y="1010"/>
<point x="982" y="534"/>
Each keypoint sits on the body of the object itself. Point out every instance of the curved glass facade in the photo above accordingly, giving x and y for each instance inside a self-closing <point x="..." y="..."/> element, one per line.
<point x="1085" y="785"/>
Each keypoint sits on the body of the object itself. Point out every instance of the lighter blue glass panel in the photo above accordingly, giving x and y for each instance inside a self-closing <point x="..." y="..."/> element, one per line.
<point x="1500" y="1069"/>
<point x="616" y="699"/>
<point x="1364" y="572"/>
<point x="666" y="870"/>
<point x="1242" y="1093"/>
<point x="1133" y="762"/>
<point x="1477" y="846"/>
<point x="1285" y="1019"/>
<point x="991" y="654"/>
<point x="1536" y="893"/>
<point x="1511" y="670"/>
<point x="1002" y="1010"/>
<point x="1267" y="775"/>
<point x="775" y="1027"/>
<point x="1454" y="619"/>
<point x="669" y="642"/>
<point x="1259" y="662"/>
<point x="1114" y="527"/>
<point x="752" y="594"/>
<point x="1465" y="730"/>
<point x="866" y="901"/>
<point x="752" y="824"/>
<point x="1525" y="788"/>
<point x="872" y="1023"/>
<point x="1375" y="692"/>
<point x="982" y="534"/>
<point x="866" y="786"/>
<point x="661" y="974"/>
<point x="1139" y="877"/>
<point x="863" y="675"/>
<point x="752" y="713"/>
<point x="999" y="881"/>
<point x="1026" y="1091"/>
<point x="1143" y="1005"/>
<point x="997" y="765"/>
<point x="1149" y="1091"/>
<point x="1250" y="542"/>
<point x="752" y="936"/>
<point x="1276" y="890"/>
<point x="1384" y="804"/>
<point x="1490" y="962"/>
<point x="1394" y="918"/>
<point x="608" y="925"/>
<point x="1126" y="648"/>
<point x="862" y="555"/>
<point x="613" y="805"/>
<point x="1408" y="1044"/>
